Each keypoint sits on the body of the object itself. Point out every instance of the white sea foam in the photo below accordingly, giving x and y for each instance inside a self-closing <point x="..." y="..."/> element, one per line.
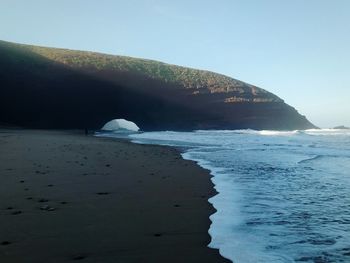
<point x="226" y="202"/>
<point x="328" y="132"/>
<point x="321" y="132"/>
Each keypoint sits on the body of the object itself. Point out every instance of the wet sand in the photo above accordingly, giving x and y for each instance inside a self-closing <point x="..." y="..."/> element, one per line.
<point x="68" y="197"/>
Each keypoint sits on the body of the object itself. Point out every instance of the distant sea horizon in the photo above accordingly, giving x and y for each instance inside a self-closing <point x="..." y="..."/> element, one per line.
<point x="283" y="196"/>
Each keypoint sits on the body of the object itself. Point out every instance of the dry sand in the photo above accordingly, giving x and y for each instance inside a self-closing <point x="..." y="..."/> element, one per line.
<point x="67" y="197"/>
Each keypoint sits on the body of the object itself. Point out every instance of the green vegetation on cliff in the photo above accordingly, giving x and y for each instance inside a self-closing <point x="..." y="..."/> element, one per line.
<point x="201" y="81"/>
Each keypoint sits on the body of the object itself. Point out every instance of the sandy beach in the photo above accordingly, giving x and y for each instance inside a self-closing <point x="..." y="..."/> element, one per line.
<point x="66" y="197"/>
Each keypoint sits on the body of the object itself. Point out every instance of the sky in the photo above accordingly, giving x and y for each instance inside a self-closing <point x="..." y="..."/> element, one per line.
<point x="297" y="49"/>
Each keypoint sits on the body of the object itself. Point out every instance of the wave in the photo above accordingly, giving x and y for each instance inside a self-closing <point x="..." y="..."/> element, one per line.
<point x="227" y="202"/>
<point x="248" y="131"/>
<point x="278" y="133"/>
<point x="311" y="159"/>
<point x="325" y="132"/>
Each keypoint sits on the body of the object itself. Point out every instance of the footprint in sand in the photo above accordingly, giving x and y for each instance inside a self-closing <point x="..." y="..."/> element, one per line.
<point x="16" y="212"/>
<point x="102" y="193"/>
<point x="79" y="257"/>
<point x="47" y="208"/>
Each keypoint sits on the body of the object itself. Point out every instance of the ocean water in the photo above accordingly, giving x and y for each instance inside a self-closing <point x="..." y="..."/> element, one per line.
<point x="282" y="196"/>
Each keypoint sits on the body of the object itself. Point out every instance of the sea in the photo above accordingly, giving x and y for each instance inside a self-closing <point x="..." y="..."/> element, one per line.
<point x="282" y="196"/>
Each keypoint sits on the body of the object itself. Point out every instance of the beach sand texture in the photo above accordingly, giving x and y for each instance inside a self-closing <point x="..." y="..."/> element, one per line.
<point x="68" y="197"/>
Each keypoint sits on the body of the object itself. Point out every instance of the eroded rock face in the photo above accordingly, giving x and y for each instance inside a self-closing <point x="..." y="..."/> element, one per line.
<point x="57" y="88"/>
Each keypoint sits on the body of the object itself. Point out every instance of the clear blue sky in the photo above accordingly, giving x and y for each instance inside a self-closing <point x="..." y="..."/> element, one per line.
<point x="297" y="49"/>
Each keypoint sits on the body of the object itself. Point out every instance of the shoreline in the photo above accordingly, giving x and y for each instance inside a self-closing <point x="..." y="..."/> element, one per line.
<point x="67" y="196"/>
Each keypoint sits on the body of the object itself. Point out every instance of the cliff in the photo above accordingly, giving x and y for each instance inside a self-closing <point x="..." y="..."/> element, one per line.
<point x="58" y="88"/>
